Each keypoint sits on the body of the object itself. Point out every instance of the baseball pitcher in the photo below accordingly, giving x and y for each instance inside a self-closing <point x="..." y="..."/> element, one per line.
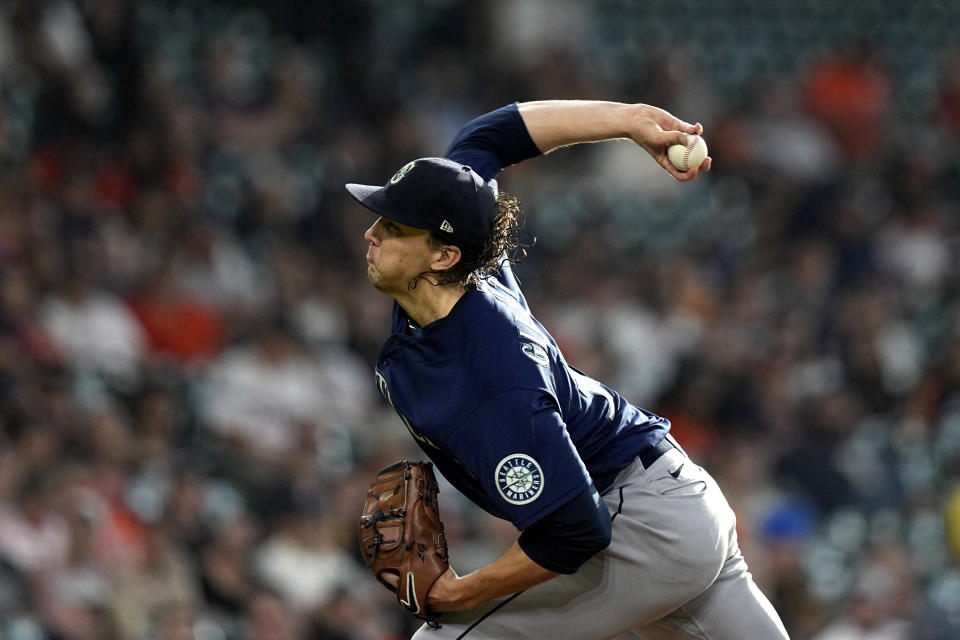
<point x="619" y="529"/>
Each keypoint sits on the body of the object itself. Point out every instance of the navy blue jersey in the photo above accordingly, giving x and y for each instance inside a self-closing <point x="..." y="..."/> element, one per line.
<point x="488" y="396"/>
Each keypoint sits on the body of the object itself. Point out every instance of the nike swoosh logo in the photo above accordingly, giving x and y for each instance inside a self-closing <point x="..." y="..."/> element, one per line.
<point x="676" y="472"/>
<point x="411" y="603"/>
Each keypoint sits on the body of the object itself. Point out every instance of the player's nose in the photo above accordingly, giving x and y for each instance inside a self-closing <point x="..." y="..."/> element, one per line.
<point x="370" y="236"/>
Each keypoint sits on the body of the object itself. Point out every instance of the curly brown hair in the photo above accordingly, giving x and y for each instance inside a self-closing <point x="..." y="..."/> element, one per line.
<point x="503" y="243"/>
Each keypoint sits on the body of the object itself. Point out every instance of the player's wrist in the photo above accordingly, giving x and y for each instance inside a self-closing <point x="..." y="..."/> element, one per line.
<point x="449" y="593"/>
<point x="641" y="122"/>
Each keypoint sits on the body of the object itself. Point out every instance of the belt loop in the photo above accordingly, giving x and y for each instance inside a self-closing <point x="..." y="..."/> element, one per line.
<point x="650" y="455"/>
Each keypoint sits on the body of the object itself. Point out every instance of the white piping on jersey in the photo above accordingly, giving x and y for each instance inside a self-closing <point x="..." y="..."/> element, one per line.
<point x="497" y="287"/>
<point x="529" y="333"/>
<point x="584" y="383"/>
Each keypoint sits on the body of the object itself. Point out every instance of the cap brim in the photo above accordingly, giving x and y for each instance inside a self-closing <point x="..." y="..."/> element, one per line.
<point x="370" y="196"/>
<point x="377" y="200"/>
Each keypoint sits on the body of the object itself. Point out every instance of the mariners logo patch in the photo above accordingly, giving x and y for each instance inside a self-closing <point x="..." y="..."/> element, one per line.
<point x="519" y="479"/>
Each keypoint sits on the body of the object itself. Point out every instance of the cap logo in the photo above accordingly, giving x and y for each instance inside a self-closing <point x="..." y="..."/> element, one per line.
<point x="404" y="170"/>
<point x="446" y="226"/>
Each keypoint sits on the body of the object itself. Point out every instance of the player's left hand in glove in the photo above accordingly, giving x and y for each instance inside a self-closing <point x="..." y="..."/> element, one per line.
<point x="401" y="534"/>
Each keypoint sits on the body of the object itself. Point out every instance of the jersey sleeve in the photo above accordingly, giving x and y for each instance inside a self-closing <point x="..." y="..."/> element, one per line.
<point x="493" y="141"/>
<point x="517" y="447"/>
<point x="563" y="540"/>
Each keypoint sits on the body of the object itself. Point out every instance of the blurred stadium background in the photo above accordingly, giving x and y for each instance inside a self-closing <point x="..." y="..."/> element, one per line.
<point x="187" y="410"/>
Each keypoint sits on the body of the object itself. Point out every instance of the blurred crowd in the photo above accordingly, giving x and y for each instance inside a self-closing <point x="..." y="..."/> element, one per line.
<point x="188" y="419"/>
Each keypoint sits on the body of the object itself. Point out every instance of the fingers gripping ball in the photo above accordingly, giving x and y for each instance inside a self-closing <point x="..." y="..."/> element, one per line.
<point x="686" y="157"/>
<point x="401" y="534"/>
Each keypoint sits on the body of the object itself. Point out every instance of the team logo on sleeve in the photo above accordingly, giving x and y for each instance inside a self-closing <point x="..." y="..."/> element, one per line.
<point x="519" y="479"/>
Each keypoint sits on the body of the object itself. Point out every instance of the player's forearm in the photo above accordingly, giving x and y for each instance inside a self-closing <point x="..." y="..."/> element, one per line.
<point x="512" y="572"/>
<point x="558" y="123"/>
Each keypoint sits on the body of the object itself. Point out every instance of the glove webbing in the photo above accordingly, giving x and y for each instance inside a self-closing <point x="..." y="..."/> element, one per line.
<point x="377" y="537"/>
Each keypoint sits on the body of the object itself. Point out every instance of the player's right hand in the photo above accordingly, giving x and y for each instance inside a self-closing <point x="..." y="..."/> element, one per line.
<point x="655" y="130"/>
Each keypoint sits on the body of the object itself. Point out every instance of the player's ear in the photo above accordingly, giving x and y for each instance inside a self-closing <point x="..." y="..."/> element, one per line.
<point x="446" y="257"/>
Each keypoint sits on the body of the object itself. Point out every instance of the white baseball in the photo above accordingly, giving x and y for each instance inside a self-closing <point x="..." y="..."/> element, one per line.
<point x="686" y="157"/>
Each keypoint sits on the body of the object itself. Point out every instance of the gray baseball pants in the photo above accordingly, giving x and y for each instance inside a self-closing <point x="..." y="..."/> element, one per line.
<point x="673" y="570"/>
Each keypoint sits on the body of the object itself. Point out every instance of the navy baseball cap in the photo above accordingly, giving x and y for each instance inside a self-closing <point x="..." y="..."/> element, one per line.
<point x="438" y="194"/>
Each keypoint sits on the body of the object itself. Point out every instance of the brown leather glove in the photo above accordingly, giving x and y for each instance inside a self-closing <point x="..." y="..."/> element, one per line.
<point x="401" y="535"/>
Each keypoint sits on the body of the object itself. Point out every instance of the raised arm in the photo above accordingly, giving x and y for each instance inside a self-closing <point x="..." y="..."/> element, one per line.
<point x="517" y="132"/>
<point x="558" y="123"/>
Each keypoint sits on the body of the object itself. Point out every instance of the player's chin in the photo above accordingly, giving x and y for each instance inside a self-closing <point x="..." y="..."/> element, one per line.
<point x="373" y="275"/>
<point x="377" y="280"/>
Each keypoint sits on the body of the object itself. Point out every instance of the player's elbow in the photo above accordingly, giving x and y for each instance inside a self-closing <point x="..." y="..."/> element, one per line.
<point x="565" y="553"/>
<point x="567" y="538"/>
<point x="603" y="537"/>
<point x="598" y="539"/>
